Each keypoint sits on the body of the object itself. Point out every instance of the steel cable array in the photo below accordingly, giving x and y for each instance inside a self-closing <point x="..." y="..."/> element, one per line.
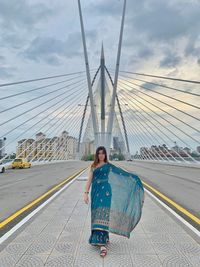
<point x="51" y="116"/>
<point x="154" y="118"/>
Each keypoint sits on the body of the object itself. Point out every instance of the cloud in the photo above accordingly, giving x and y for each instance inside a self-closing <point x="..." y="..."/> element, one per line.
<point x="12" y="40"/>
<point x="105" y="8"/>
<point x="2" y="59"/>
<point x="162" y="31"/>
<point x="46" y="48"/>
<point x="192" y="49"/>
<point x="158" y="20"/>
<point x="6" y="72"/>
<point x="54" y="51"/>
<point x="164" y="21"/>
<point x="170" y="60"/>
<point x="145" y="52"/>
<point x="19" y="20"/>
<point x="160" y="37"/>
<point x="20" y="14"/>
<point x="150" y="86"/>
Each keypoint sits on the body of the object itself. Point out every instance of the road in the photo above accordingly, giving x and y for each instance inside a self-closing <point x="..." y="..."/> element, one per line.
<point x="21" y="186"/>
<point x="179" y="183"/>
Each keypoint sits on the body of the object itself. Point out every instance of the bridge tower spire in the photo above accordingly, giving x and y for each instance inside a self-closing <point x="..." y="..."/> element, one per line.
<point x="112" y="107"/>
<point x="92" y="104"/>
<point x="102" y="75"/>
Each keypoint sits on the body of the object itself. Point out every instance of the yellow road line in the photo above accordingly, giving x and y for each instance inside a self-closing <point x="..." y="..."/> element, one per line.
<point x="177" y="206"/>
<point x="16" y="214"/>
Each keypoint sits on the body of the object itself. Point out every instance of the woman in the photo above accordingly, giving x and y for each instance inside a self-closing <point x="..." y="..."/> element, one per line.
<point x="117" y="198"/>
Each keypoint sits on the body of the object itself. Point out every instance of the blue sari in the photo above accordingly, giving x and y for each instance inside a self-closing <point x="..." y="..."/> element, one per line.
<point x="117" y="198"/>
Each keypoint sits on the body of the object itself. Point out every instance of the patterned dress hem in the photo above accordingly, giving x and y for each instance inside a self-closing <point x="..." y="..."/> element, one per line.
<point x="98" y="244"/>
<point x="110" y="231"/>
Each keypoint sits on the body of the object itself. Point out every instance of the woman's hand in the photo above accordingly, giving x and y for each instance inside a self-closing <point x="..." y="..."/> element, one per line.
<point x="143" y="200"/>
<point x="86" y="198"/>
<point x="87" y="186"/>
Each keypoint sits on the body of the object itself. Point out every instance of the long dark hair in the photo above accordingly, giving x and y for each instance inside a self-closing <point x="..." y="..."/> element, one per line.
<point x="96" y="159"/>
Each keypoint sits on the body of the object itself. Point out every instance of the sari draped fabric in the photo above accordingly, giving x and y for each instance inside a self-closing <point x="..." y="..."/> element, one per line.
<point x="116" y="201"/>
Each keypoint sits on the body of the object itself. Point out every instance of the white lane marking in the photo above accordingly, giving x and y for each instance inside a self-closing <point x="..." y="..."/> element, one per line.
<point x="29" y="216"/>
<point x="175" y="214"/>
<point x="82" y="178"/>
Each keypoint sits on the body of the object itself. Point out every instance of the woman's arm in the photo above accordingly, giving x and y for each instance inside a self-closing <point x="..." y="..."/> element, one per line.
<point x="87" y="186"/>
<point x="89" y="180"/>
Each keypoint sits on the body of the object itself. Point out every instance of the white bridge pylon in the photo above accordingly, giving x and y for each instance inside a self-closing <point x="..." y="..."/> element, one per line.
<point x="103" y="137"/>
<point x="102" y="99"/>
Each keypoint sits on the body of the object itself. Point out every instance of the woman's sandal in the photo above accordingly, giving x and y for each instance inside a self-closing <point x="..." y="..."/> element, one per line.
<point x="103" y="251"/>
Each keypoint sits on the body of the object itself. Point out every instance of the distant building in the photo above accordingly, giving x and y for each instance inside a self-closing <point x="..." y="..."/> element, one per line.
<point x="2" y="147"/>
<point x="163" y="151"/>
<point x="155" y="150"/>
<point x="40" y="136"/>
<point x="176" y="148"/>
<point x="87" y="147"/>
<point x="118" y="145"/>
<point x="144" y="151"/>
<point x="62" y="146"/>
<point x="67" y="146"/>
<point x="187" y="150"/>
<point x="43" y="148"/>
<point x="72" y="144"/>
<point x="25" y="148"/>
<point x="113" y="151"/>
<point x="158" y="151"/>
<point x="183" y="152"/>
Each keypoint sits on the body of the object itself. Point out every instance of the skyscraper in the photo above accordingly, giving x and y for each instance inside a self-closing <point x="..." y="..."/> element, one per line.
<point x="2" y="147"/>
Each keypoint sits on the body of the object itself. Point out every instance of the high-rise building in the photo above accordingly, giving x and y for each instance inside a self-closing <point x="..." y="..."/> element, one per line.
<point x="25" y="148"/>
<point x="2" y="147"/>
<point x="43" y="148"/>
<point x="119" y="145"/>
<point x="116" y="143"/>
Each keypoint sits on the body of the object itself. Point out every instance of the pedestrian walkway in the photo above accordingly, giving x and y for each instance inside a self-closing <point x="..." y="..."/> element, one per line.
<point x="58" y="236"/>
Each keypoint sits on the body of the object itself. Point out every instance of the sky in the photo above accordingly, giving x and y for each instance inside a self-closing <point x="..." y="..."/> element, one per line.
<point x="43" y="38"/>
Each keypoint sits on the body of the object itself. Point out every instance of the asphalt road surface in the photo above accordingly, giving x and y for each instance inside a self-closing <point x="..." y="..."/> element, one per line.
<point x="180" y="183"/>
<point x="19" y="187"/>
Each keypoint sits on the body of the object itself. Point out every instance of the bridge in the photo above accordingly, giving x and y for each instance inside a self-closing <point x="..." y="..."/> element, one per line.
<point x="149" y="124"/>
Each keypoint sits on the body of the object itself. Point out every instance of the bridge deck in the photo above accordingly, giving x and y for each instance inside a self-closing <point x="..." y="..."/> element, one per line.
<point x="58" y="236"/>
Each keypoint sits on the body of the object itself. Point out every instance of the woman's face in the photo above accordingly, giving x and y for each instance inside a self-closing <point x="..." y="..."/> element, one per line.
<point x="101" y="155"/>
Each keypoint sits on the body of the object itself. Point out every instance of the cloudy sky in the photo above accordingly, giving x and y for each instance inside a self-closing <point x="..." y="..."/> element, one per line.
<point x="42" y="38"/>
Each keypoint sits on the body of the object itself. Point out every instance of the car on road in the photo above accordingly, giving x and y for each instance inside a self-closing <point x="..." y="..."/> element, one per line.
<point x="2" y="167"/>
<point x="20" y="163"/>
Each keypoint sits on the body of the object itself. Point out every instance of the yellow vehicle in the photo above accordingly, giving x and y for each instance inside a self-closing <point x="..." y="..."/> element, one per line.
<point x="20" y="163"/>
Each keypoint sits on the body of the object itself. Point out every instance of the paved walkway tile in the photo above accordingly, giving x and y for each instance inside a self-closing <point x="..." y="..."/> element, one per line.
<point x="58" y="237"/>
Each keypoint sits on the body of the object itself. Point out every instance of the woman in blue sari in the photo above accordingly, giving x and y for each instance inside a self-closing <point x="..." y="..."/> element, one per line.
<point x="117" y="198"/>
